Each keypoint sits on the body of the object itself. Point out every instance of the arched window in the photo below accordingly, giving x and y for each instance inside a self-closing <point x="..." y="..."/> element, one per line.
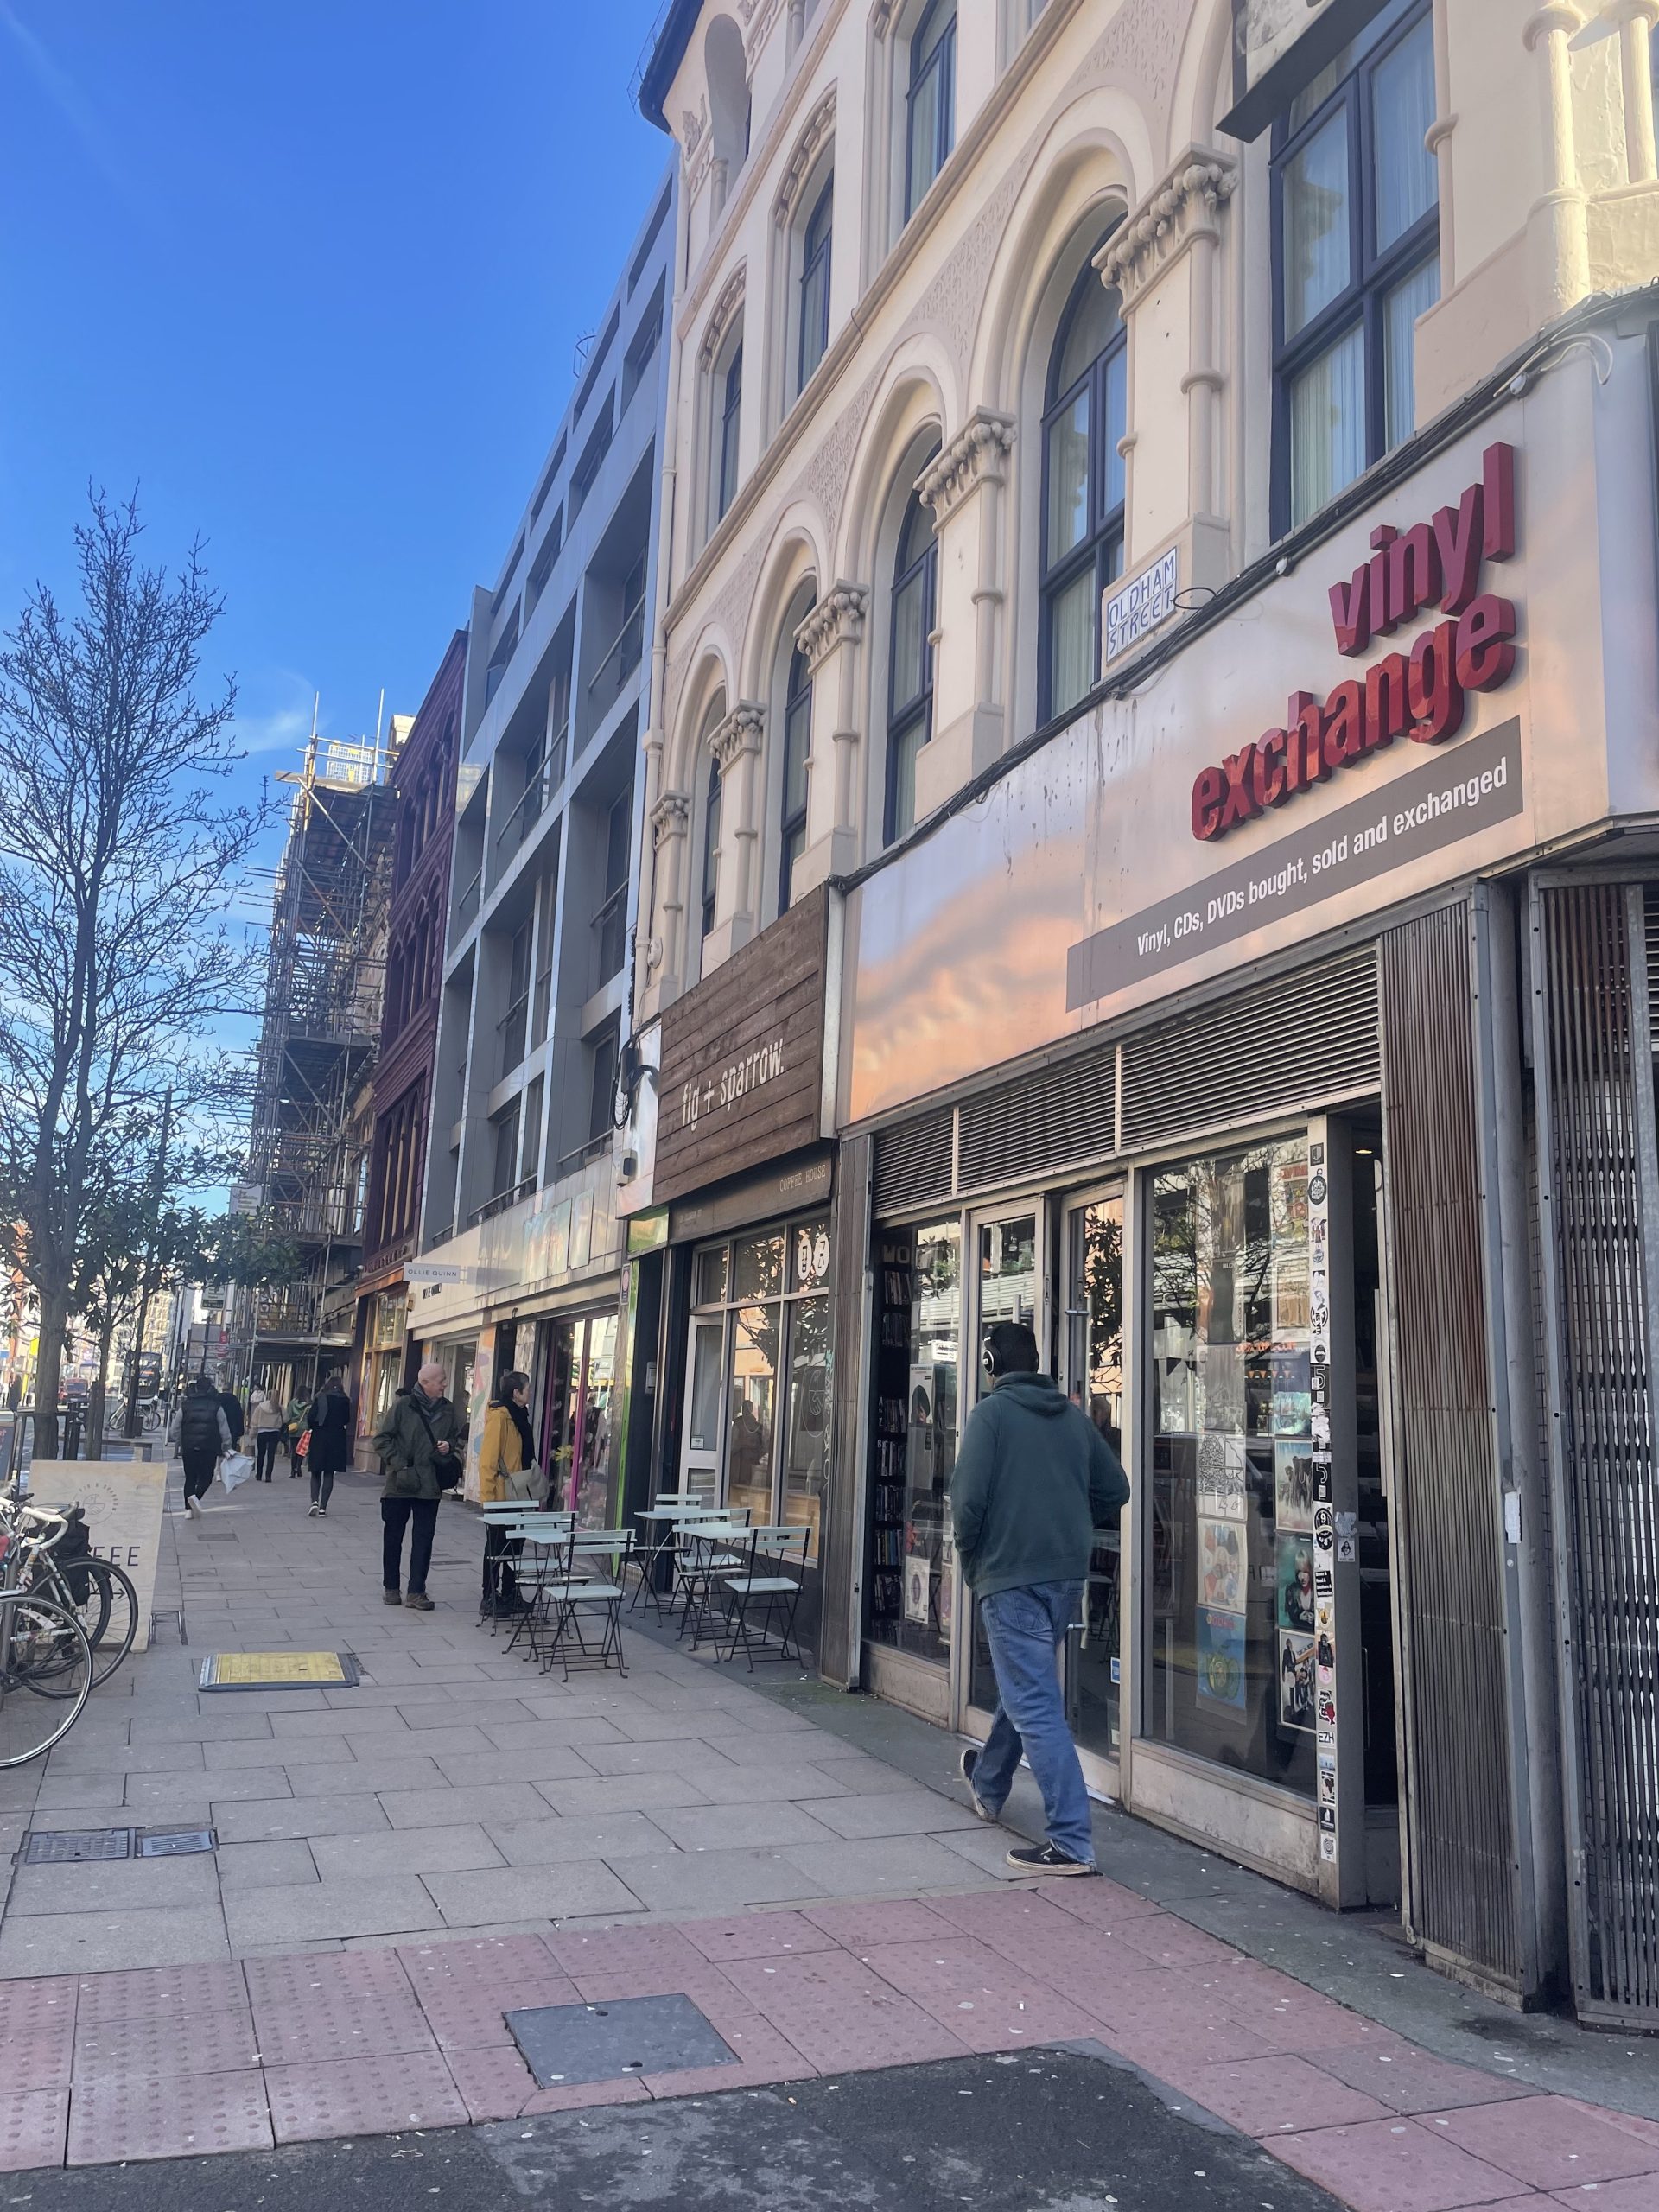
<point x="797" y="743"/>
<point x="729" y="420"/>
<point x="930" y="105"/>
<point x="910" y="672"/>
<point x="1083" y="488"/>
<point x="815" y="284"/>
<point x="710" y="846"/>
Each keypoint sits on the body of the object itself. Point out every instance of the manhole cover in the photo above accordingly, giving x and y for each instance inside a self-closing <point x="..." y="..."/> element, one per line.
<point x="72" y="1846"/>
<point x="279" y="1670"/>
<point x="174" y="1843"/>
<point x="600" y="2043"/>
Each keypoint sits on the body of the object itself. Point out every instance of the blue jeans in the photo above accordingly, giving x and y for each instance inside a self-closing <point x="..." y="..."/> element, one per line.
<point x="1025" y="1630"/>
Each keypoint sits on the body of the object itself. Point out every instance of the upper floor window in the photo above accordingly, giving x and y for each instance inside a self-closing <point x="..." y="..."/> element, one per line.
<point x="910" y="674"/>
<point x="930" y="122"/>
<point x="728" y="424"/>
<point x="815" y="284"/>
<point x="798" y="742"/>
<point x="710" y="847"/>
<point x="1083" y="488"/>
<point x="1357" y="260"/>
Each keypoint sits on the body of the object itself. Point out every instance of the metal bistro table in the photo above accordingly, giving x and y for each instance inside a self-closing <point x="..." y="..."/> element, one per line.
<point x="662" y="1521"/>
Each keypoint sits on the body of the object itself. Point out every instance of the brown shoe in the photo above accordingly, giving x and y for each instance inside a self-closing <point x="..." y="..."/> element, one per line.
<point x="418" y="1602"/>
<point x="391" y="1597"/>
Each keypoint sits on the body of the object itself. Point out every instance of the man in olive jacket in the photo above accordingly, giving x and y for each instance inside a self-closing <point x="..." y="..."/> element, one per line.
<point x="1034" y="1479"/>
<point x="419" y="1440"/>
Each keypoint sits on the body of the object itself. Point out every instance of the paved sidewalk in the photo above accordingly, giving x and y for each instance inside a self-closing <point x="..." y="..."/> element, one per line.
<point x="401" y="1864"/>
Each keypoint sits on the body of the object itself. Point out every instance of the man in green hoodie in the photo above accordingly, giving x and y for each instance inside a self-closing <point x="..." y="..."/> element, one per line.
<point x="1034" y="1479"/>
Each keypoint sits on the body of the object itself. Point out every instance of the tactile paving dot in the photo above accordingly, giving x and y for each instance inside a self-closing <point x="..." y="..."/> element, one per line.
<point x="37" y="2027"/>
<point x="150" y="1992"/>
<point x="312" y="1979"/>
<point x="363" y="2097"/>
<point x="487" y="1959"/>
<point x="217" y="2042"/>
<point x="32" y="2129"/>
<point x="474" y="2017"/>
<point x="130" y="2116"/>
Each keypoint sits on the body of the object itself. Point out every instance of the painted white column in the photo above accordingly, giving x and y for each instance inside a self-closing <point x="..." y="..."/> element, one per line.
<point x="1559" y="240"/>
<point x="736" y="747"/>
<point x="1635" y="20"/>
<point x="964" y="487"/>
<point x="832" y="637"/>
<point x="662" y="948"/>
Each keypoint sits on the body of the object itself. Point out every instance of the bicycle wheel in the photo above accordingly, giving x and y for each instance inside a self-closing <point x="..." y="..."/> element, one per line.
<point x="39" y="1642"/>
<point x="117" y="1608"/>
<point x="73" y="1584"/>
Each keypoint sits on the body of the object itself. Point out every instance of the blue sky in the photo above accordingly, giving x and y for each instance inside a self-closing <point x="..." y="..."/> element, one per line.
<point x="310" y="273"/>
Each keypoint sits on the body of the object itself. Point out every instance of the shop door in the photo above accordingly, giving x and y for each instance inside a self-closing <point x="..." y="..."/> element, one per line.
<point x="700" y="1452"/>
<point x="1009" y="1283"/>
<point x="1091" y="1374"/>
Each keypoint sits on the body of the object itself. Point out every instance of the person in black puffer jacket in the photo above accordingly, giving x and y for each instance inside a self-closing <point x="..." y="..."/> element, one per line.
<point x="202" y="1435"/>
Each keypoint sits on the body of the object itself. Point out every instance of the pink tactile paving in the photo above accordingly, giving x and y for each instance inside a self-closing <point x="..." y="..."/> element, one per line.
<point x="1639" y="2194"/>
<point x="167" y="2116"/>
<point x="757" y="1935"/>
<point x="363" y="2097"/>
<point x="1645" y="2130"/>
<point x="1279" y="2096"/>
<point x="886" y="1920"/>
<point x="708" y="2081"/>
<point x="494" y="2081"/>
<point x="314" y="2012"/>
<point x="1394" y="2166"/>
<point x="1102" y="1902"/>
<point x="306" y="1978"/>
<point x="631" y="1961"/>
<point x="1287" y="2014"/>
<point x="574" y="2096"/>
<point x="1548" y="2141"/>
<point x="474" y="2017"/>
<point x="1167" y="1942"/>
<point x="1397" y="2074"/>
<point x="149" y="1993"/>
<point x="217" y="2042"/>
<point x="33" y="2126"/>
<point x="1019" y="1916"/>
<point x="37" y="2031"/>
<point x="1163" y="2028"/>
<point x="839" y="2014"/>
<point x="979" y="1995"/>
<point x="520" y="1958"/>
<point x="1077" y="1960"/>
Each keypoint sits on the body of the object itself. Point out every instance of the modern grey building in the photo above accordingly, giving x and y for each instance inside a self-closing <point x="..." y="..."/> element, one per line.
<point x="520" y="1230"/>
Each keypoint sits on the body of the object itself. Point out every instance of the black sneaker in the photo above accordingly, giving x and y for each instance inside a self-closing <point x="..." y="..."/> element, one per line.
<point x="1045" y="1858"/>
<point x="968" y="1763"/>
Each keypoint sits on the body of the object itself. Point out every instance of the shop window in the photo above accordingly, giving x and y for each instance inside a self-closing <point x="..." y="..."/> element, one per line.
<point x="930" y="106"/>
<point x="910" y="672"/>
<point x="1084" y="424"/>
<point x="758" y="1266"/>
<point x="813" y="336"/>
<point x="1230" y="1660"/>
<point x="1355" y="258"/>
<point x="916" y="1419"/>
<point x="797" y="744"/>
<point x="709" y="1277"/>
<point x="578" y="1363"/>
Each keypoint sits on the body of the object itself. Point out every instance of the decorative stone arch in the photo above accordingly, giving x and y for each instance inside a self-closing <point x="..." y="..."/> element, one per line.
<point x="712" y="662"/>
<point x="816" y="137"/>
<point x="795" y="552"/>
<point x="792" y="574"/>
<point x="918" y="385"/>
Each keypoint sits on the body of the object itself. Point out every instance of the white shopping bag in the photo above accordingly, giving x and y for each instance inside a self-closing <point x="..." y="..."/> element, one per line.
<point x="235" y="1467"/>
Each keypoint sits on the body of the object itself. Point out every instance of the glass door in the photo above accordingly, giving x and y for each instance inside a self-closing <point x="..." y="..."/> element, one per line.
<point x="1091" y="1373"/>
<point x="1009" y="1269"/>
<point x="700" y="1452"/>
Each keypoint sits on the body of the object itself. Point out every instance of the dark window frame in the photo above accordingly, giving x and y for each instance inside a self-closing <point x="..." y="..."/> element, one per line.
<point x="798" y="703"/>
<point x="905" y="716"/>
<point x="730" y="422"/>
<point x="817" y="237"/>
<point x="710" y="888"/>
<point x="940" y="63"/>
<point x="1372" y="276"/>
<point x="1103" y="547"/>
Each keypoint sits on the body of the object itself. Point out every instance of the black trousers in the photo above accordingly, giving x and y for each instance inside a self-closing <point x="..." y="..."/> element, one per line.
<point x="499" y="1551"/>
<point x="420" y="1517"/>
<point x="264" y="1452"/>
<point x="323" y="1488"/>
<point x="199" y="1474"/>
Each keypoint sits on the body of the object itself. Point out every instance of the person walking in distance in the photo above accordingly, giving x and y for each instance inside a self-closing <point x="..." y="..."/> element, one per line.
<point x="329" y="1417"/>
<point x="1034" y="1479"/>
<point x="265" y="1425"/>
<point x="295" y="1430"/>
<point x="203" y="1436"/>
<point x="419" y="1441"/>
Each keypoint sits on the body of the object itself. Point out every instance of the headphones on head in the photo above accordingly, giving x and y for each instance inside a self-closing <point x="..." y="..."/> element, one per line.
<point x="990" y="1361"/>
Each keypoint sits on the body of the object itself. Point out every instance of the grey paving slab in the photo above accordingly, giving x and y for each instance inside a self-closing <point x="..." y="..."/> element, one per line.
<point x="382" y="1906"/>
<point x="618" y="1793"/>
<point x="550" y="1763"/>
<point x="76" y="1755"/>
<point x="688" y="1753"/>
<point x="716" y="1827"/>
<point x="269" y="1820"/>
<point x="224" y="1727"/>
<point x="424" y="1743"/>
<point x="576" y="1728"/>
<point x="115" y="1885"/>
<point x="867" y="1867"/>
<point x="343" y="1778"/>
<point x="440" y="1714"/>
<point x="578" y="1835"/>
<point x="264" y="1866"/>
<point x="894" y="1812"/>
<point x="295" y="1751"/>
<point x="340" y="1721"/>
<point x="718" y="1881"/>
<point x="727" y="1784"/>
<point x="220" y="1785"/>
<point x="63" y="1793"/>
<point x="431" y="1809"/>
<point x="584" y="1885"/>
<point x="100" y="1942"/>
<point x="463" y="1848"/>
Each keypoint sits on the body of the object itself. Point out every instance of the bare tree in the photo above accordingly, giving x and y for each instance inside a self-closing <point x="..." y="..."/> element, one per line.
<point x="116" y="868"/>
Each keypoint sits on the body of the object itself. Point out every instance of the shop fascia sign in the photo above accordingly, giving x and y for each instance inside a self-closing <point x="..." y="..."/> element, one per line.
<point x="1419" y="694"/>
<point x="734" y="1082"/>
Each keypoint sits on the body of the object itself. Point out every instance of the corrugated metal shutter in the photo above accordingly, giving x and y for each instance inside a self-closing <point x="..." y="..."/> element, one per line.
<point x="1047" y="1119"/>
<point x="1300" y="1038"/>
<point x="1601" y="1168"/>
<point x="1457" y="1794"/>
<point x="915" y="1162"/>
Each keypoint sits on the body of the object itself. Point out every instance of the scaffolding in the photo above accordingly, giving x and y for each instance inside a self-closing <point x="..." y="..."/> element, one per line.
<point x="325" y="982"/>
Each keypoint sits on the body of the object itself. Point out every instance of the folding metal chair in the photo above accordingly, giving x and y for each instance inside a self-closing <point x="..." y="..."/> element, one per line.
<point x="510" y="1519"/>
<point x="589" y="1572"/>
<point x="546" y="1536"/>
<point x="766" y="1580"/>
<point x="658" y="1519"/>
<point x="706" y="1544"/>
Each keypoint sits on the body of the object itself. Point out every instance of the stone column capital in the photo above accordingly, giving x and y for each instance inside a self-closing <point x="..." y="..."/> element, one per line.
<point x="669" y="818"/>
<point x="738" y="734"/>
<point x="973" y="457"/>
<point x="837" y="620"/>
<point x="1182" y="207"/>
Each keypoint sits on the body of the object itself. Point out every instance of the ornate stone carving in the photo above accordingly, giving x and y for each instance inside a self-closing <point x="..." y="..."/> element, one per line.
<point x="759" y="16"/>
<point x="824" y="478"/>
<point x="739" y="734"/>
<point x="720" y="320"/>
<point x="821" y="127"/>
<point x="975" y="454"/>
<point x="952" y="303"/>
<point x="1151" y="237"/>
<point x="669" y="818"/>
<point x="693" y="123"/>
<point x="838" y="619"/>
<point x="1141" y="46"/>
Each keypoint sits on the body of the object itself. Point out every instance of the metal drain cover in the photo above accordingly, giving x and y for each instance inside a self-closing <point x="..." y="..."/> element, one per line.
<point x="601" y="2042"/>
<point x="73" y="1846"/>
<point x="174" y="1843"/>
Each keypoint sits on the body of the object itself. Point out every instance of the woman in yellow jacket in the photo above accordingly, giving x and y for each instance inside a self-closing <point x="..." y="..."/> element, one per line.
<point x="509" y="1447"/>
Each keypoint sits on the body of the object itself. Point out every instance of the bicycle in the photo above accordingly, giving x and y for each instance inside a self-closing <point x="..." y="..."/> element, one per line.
<point x="45" y="1657"/>
<point x="100" y="1594"/>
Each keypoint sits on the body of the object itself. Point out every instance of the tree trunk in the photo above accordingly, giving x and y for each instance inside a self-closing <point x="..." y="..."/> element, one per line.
<point x="98" y="1397"/>
<point x="48" y="1371"/>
